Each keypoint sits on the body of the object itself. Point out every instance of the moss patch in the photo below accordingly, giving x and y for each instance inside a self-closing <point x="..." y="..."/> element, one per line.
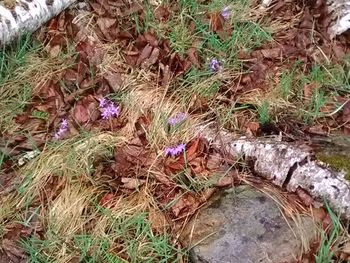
<point x="339" y="162"/>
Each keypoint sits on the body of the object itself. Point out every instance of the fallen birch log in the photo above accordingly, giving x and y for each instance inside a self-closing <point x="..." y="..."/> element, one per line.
<point x="27" y="16"/>
<point x="340" y="15"/>
<point x="339" y="11"/>
<point x="286" y="165"/>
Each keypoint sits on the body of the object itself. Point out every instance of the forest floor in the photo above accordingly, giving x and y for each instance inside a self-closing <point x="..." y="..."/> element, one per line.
<point x="99" y="111"/>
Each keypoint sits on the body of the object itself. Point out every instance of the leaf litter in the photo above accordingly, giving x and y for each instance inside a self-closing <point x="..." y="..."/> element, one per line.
<point x="81" y="98"/>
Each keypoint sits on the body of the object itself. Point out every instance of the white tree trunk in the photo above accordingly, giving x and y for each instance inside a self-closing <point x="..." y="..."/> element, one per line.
<point x="340" y="15"/>
<point x="27" y="16"/>
<point x="286" y="165"/>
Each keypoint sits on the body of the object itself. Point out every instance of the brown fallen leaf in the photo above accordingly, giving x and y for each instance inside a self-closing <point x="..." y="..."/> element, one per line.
<point x="318" y="214"/>
<point x="193" y="57"/>
<point x="97" y="8"/>
<point x="185" y="205"/>
<point x="346" y="248"/>
<point x="216" y="21"/>
<point x="214" y="161"/>
<point x="132" y="183"/>
<point x="114" y="80"/>
<point x="193" y="150"/>
<point x="198" y="165"/>
<point x="105" y="24"/>
<point x="151" y="39"/>
<point x="106" y="200"/>
<point x="345" y="117"/>
<point x="12" y="250"/>
<point x="80" y="114"/>
<point x="54" y="51"/>
<point x="252" y="128"/>
<point x="158" y="220"/>
<point x="309" y="90"/>
<point x="152" y="58"/>
<point x="146" y="52"/>
<point x="227" y="180"/>
<point x="272" y="53"/>
<point x="86" y="110"/>
<point x="162" y="13"/>
<point x="305" y="197"/>
<point x="134" y="8"/>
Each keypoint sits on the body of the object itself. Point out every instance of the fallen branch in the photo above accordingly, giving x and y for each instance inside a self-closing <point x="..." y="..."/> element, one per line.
<point x="27" y="16"/>
<point x="286" y="165"/>
<point x="339" y="11"/>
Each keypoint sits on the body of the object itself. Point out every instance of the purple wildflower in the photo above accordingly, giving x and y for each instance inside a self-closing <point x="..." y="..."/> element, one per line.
<point x="226" y="12"/>
<point x="215" y="65"/>
<point x="62" y="130"/>
<point x="108" y="109"/>
<point x="103" y="102"/>
<point x="174" y="151"/>
<point x="179" y="117"/>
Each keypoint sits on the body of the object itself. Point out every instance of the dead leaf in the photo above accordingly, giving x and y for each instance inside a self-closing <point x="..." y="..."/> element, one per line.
<point x="214" y="161"/>
<point x="345" y="117"/>
<point x="346" y="248"/>
<point x="252" y="128"/>
<point x="54" y="51"/>
<point x="198" y="166"/>
<point x="317" y="129"/>
<point x="146" y="52"/>
<point x="158" y="220"/>
<point x="86" y="110"/>
<point x="12" y="250"/>
<point x="152" y="58"/>
<point x="151" y="39"/>
<point x="227" y="180"/>
<point x="97" y="8"/>
<point x="134" y="8"/>
<point x="162" y="13"/>
<point x="305" y="197"/>
<point x="193" y="57"/>
<point x="132" y="183"/>
<point x="80" y="114"/>
<point x="318" y="214"/>
<point x="193" y="150"/>
<point x="216" y="21"/>
<point x="271" y="53"/>
<point x="185" y="205"/>
<point x="106" y="200"/>
<point x="114" y="80"/>
<point x="104" y="24"/>
<point x="309" y="90"/>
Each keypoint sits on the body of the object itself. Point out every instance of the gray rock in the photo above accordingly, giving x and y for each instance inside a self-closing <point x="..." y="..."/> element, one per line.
<point x="243" y="225"/>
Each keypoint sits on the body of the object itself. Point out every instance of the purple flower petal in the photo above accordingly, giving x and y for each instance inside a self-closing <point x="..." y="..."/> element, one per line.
<point x="62" y="130"/>
<point x="103" y="102"/>
<point x="174" y="151"/>
<point x="226" y="12"/>
<point x="180" y="117"/>
<point x="215" y="65"/>
<point x="108" y="109"/>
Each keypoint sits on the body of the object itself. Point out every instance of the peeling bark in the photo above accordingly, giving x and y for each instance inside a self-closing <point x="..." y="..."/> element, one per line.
<point x="27" y="16"/>
<point x="287" y="165"/>
<point x="340" y="14"/>
<point x="339" y="11"/>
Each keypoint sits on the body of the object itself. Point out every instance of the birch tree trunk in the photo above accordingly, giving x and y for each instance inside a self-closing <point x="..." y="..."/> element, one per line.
<point x="287" y="165"/>
<point x="339" y="11"/>
<point x="27" y="16"/>
<point x="340" y="14"/>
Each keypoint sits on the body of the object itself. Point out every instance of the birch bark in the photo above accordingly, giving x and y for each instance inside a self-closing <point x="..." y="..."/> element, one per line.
<point x="339" y="11"/>
<point x="286" y="165"/>
<point x="27" y="16"/>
